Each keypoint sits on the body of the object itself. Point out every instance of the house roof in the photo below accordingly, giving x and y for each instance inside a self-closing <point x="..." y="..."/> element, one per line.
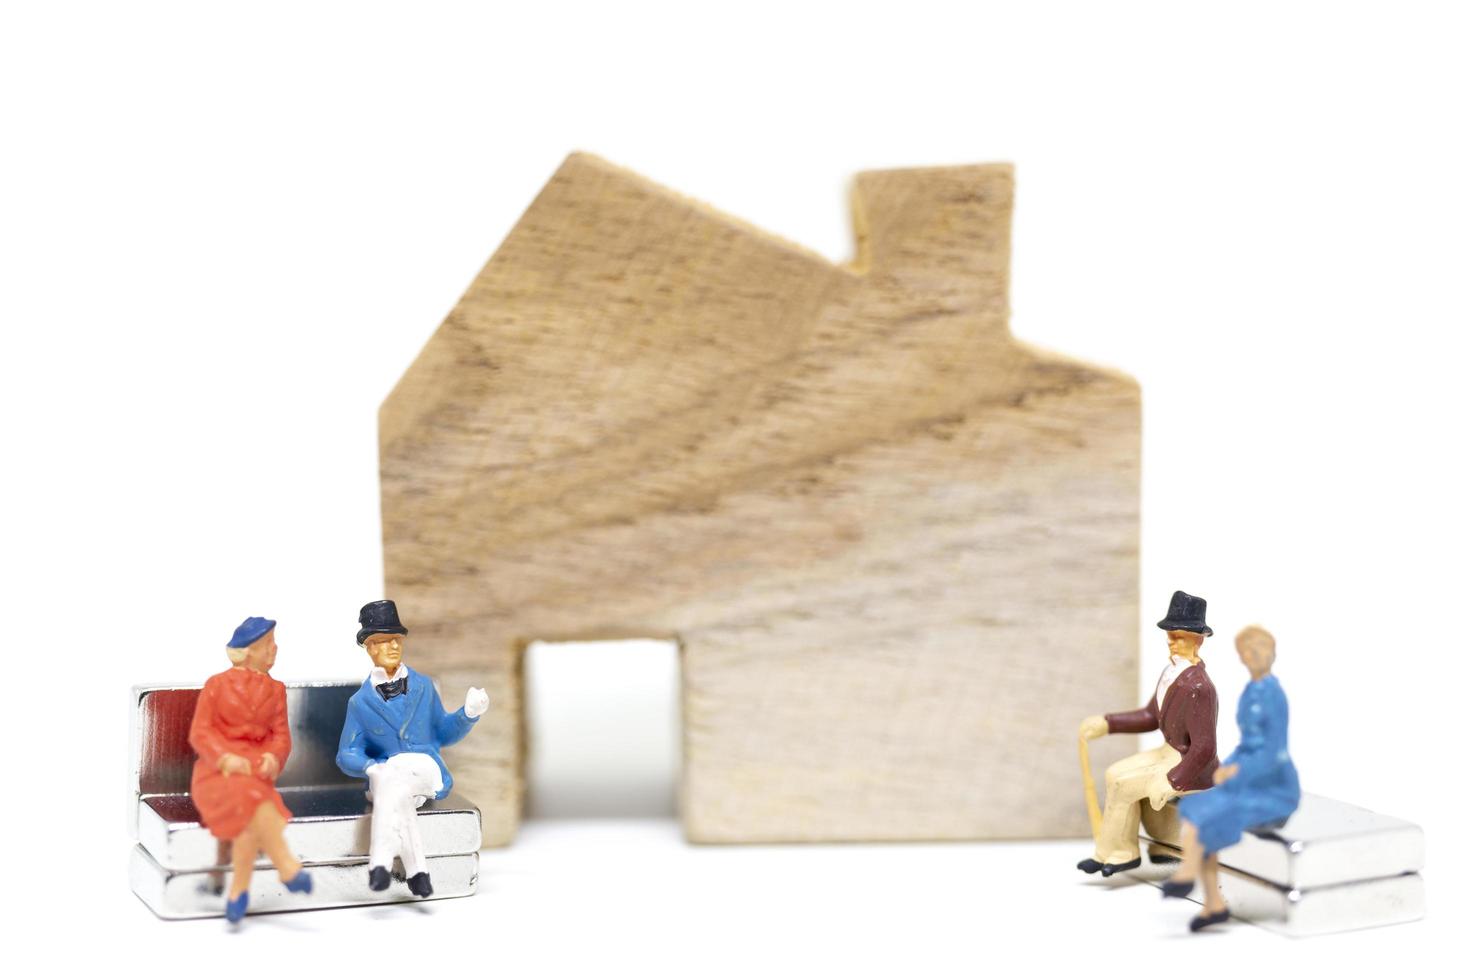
<point x="690" y="352"/>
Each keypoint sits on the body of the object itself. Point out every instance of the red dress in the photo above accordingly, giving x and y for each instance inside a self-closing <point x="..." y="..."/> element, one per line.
<point x="242" y="712"/>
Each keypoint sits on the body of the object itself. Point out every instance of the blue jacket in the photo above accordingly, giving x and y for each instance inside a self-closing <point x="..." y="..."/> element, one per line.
<point x="371" y="733"/>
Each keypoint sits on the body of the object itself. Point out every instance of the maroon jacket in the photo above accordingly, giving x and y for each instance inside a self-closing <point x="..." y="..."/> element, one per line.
<point x="1188" y="724"/>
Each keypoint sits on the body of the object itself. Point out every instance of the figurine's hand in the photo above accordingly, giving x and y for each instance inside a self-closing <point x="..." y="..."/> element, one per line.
<point x="1094" y="726"/>
<point x="1161" y="791"/>
<point x="234" y="765"/>
<point x="269" y="767"/>
<point x="476" y="702"/>
<point x="1226" y="772"/>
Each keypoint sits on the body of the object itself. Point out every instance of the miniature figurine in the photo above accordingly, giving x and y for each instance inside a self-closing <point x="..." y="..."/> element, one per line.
<point x="242" y="738"/>
<point x="1183" y="709"/>
<point x="394" y="730"/>
<point x="1256" y="787"/>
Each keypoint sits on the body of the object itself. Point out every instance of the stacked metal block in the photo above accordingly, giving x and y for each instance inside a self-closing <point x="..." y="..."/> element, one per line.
<point x="180" y="870"/>
<point x="1331" y="868"/>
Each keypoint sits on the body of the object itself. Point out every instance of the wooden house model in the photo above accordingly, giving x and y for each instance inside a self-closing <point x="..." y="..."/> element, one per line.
<point x="897" y="547"/>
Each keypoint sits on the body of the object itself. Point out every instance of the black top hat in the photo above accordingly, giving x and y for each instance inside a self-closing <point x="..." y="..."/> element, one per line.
<point x="1186" y="612"/>
<point x="379" y="617"/>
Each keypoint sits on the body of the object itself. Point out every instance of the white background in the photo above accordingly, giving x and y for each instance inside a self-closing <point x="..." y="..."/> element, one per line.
<point x="226" y="230"/>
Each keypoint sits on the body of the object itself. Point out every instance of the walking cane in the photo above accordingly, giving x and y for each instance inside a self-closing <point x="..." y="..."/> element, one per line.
<point x="1089" y="787"/>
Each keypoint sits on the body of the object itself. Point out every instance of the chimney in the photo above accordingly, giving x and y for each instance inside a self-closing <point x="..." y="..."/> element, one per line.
<point x="939" y="235"/>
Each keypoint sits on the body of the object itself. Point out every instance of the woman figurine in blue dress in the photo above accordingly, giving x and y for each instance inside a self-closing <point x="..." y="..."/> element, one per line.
<point x="1255" y="787"/>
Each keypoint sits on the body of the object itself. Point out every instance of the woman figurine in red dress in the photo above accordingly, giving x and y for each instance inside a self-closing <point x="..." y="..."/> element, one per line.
<point x="242" y="738"/>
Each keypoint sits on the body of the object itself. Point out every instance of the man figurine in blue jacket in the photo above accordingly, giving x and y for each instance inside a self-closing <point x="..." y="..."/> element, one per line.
<point x="395" y="727"/>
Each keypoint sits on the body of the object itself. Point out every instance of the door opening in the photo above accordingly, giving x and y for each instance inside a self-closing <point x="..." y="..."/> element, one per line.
<point x="602" y="729"/>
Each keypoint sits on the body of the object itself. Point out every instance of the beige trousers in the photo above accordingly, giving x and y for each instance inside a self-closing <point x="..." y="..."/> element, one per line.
<point x="1128" y="781"/>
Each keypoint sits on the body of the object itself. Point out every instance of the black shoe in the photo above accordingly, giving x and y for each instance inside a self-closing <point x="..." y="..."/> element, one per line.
<point x="1164" y="858"/>
<point x="1177" y="889"/>
<point x="419" y="885"/>
<point x="1089" y="866"/>
<point x="1108" y="870"/>
<point x="378" y="878"/>
<point x="1200" y="921"/>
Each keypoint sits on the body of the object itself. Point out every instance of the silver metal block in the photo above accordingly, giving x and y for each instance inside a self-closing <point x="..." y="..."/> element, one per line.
<point x="1332" y="908"/>
<point x="200" y="894"/>
<point x="1301" y="912"/>
<point x="329" y="824"/>
<point x="1333" y="867"/>
<point x="1327" y="842"/>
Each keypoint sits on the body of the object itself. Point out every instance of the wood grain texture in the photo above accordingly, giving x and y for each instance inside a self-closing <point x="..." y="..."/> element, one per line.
<point x="899" y="548"/>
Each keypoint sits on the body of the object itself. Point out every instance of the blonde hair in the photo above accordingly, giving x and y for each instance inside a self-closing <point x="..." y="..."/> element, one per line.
<point x="237" y="655"/>
<point x="1259" y="634"/>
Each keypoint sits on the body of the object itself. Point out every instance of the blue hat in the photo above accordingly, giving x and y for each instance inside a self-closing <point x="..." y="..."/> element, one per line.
<point x="249" y="631"/>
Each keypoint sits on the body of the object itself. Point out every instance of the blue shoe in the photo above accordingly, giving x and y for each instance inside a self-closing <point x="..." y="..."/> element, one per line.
<point x="235" y="907"/>
<point x="300" y="883"/>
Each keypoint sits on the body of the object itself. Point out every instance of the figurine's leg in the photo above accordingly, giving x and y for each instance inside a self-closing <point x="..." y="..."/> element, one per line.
<point x="269" y="828"/>
<point x="382" y="847"/>
<point x="410" y="843"/>
<point x="1114" y="823"/>
<point x="222" y="859"/>
<point x="1117" y="841"/>
<point x="1210" y="880"/>
<point x="1160" y="825"/>
<point x="388" y="794"/>
<point x="1114" y="776"/>
<point x="242" y="862"/>
<point x="1193" y="858"/>
<point x="423" y="780"/>
<point x="1128" y="783"/>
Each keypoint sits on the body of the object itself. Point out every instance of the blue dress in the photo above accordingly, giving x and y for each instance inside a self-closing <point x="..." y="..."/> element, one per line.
<point x="1265" y="790"/>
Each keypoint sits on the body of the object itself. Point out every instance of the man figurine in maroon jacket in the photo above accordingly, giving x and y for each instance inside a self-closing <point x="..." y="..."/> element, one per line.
<point x="1183" y="708"/>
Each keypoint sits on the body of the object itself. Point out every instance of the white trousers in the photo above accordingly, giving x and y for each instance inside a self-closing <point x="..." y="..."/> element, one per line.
<point x="398" y="788"/>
